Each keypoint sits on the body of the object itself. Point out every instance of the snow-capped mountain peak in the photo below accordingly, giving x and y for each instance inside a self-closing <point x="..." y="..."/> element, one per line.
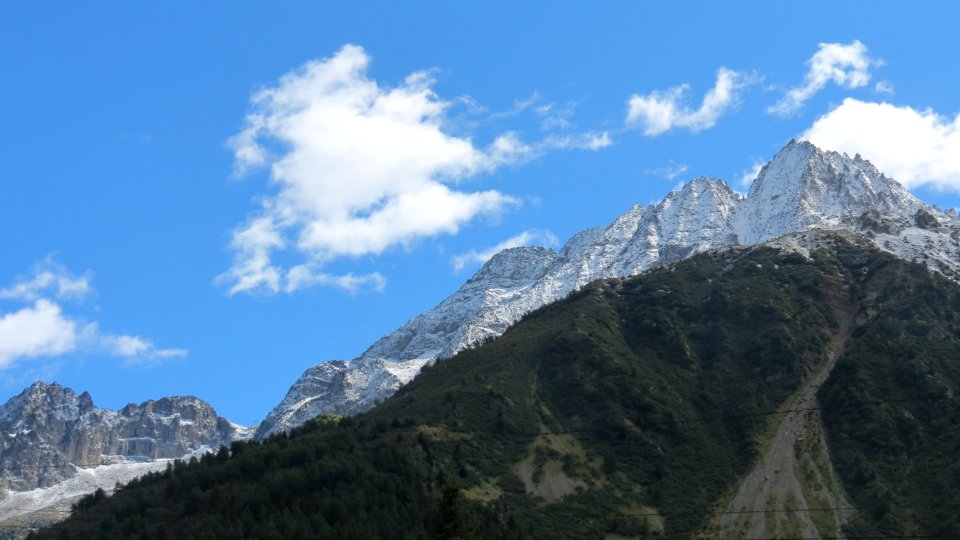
<point x="801" y="187"/>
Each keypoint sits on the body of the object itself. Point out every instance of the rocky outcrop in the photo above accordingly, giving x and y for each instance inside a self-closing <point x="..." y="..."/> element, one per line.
<point x="49" y="432"/>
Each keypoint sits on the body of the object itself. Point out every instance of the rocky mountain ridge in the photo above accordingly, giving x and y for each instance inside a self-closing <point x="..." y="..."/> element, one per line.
<point x="48" y="433"/>
<point x="801" y="187"/>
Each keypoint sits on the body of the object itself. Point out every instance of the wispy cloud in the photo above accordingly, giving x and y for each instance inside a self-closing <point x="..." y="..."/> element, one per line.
<point x="847" y="66"/>
<point x="553" y="117"/>
<point x="135" y="350"/>
<point x="670" y="171"/>
<point x="511" y="149"/>
<point x="48" y="278"/>
<point x="883" y="87"/>
<point x="519" y="106"/>
<point x="915" y="147"/>
<point x="581" y="141"/>
<point x="305" y="276"/>
<point x="663" y="110"/>
<point x="526" y="238"/>
<point x="556" y="118"/>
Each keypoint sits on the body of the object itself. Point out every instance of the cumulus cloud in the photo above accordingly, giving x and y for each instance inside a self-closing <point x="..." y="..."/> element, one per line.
<point x="526" y="238"/>
<point x="37" y="330"/>
<point x="661" y="111"/>
<point x="913" y="146"/>
<point x="42" y="329"/>
<point x="357" y="168"/>
<point x="847" y="66"/>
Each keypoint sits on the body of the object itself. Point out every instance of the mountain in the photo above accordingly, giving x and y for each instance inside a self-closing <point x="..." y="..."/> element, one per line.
<point x="55" y="444"/>
<point x="801" y="187"/>
<point x="482" y="308"/>
<point x="805" y="387"/>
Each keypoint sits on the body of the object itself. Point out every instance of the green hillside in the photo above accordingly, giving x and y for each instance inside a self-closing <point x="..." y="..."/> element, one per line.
<point x="632" y="409"/>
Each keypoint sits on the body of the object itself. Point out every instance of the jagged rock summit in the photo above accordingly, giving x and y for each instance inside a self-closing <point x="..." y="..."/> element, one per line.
<point x="48" y="433"/>
<point x="802" y="187"/>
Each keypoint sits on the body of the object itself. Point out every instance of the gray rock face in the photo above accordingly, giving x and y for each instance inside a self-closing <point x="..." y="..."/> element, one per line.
<point x="802" y="187"/>
<point x="348" y="388"/>
<point x="48" y="432"/>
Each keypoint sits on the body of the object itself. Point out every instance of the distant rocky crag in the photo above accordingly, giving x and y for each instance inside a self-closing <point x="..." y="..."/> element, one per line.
<point x="48" y="432"/>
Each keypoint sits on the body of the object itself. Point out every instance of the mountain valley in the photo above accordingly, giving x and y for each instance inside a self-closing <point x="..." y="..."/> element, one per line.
<point x="698" y="399"/>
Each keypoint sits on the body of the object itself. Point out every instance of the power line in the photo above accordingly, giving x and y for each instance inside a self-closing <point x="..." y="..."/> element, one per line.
<point x="703" y="420"/>
<point x="525" y="440"/>
<point x="58" y="527"/>
<point x="504" y="438"/>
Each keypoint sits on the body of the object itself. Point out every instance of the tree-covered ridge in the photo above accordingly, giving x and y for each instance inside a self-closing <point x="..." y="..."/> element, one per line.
<point x="891" y="408"/>
<point x="632" y="409"/>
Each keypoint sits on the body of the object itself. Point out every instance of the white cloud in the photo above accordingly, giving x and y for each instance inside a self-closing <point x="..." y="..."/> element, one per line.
<point x="747" y="176"/>
<point x="914" y="147"/>
<point x="551" y="116"/>
<point x="844" y="65"/>
<point x="883" y="87"/>
<point x="135" y="349"/>
<point x="252" y="267"/>
<point x="42" y="329"/>
<point x="48" y="278"/>
<point x="526" y="238"/>
<point x="37" y="330"/>
<point x="670" y="171"/>
<point x="581" y="141"/>
<point x="661" y="111"/>
<point x="306" y="275"/>
<point x="359" y="168"/>
<point x="556" y="118"/>
<point x="519" y="106"/>
<point x="510" y="149"/>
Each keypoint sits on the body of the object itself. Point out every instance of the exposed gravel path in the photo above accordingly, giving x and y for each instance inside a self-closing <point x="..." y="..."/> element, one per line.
<point x="774" y="482"/>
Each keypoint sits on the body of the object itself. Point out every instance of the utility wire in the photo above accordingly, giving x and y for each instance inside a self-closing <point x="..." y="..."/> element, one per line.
<point x="505" y="438"/>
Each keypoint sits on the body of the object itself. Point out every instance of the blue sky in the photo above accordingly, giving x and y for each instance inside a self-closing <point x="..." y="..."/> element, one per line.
<point x="209" y="198"/>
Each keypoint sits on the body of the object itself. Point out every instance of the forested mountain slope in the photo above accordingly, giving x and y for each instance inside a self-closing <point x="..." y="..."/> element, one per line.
<point x="634" y="408"/>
